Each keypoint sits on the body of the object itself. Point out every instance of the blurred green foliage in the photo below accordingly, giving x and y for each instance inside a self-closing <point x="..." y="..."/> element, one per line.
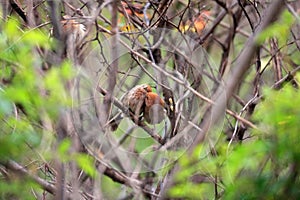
<point x="27" y="97"/>
<point x="265" y="167"/>
<point x="280" y="29"/>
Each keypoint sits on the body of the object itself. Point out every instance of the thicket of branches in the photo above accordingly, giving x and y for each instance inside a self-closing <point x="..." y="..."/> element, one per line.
<point x="226" y="70"/>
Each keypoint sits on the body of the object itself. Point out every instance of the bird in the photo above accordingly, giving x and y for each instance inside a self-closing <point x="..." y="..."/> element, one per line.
<point x="197" y="24"/>
<point x="154" y="111"/>
<point x="71" y="35"/>
<point x="73" y="28"/>
<point x="142" y="104"/>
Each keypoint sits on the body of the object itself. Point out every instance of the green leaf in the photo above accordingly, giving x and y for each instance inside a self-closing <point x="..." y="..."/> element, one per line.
<point x="36" y="37"/>
<point x="12" y="27"/>
<point x="280" y="29"/>
<point x="86" y="163"/>
<point x="67" y="71"/>
<point x="64" y="146"/>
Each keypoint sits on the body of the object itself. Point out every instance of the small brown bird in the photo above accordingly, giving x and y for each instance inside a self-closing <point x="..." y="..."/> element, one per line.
<point x="70" y="27"/>
<point x="154" y="111"/>
<point x="134" y="100"/>
<point x="142" y="103"/>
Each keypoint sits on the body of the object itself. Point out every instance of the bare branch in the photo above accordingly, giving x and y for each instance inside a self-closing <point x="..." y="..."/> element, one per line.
<point x="19" y="169"/>
<point x="113" y="69"/>
<point x="240" y="68"/>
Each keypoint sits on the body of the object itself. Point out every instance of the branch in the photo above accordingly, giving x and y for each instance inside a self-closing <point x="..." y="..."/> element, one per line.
<point x="183" y="83"/>
<point x="55" y="19"/>
<point x="239" y="70"/>
<point x="233" y="80"/>
<point x="217" y="21"/>
<point x="113" y="68"/>
<point x="286" y="78"/>
<point x="15" y="4"/>
<point x="19" y="169"/>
